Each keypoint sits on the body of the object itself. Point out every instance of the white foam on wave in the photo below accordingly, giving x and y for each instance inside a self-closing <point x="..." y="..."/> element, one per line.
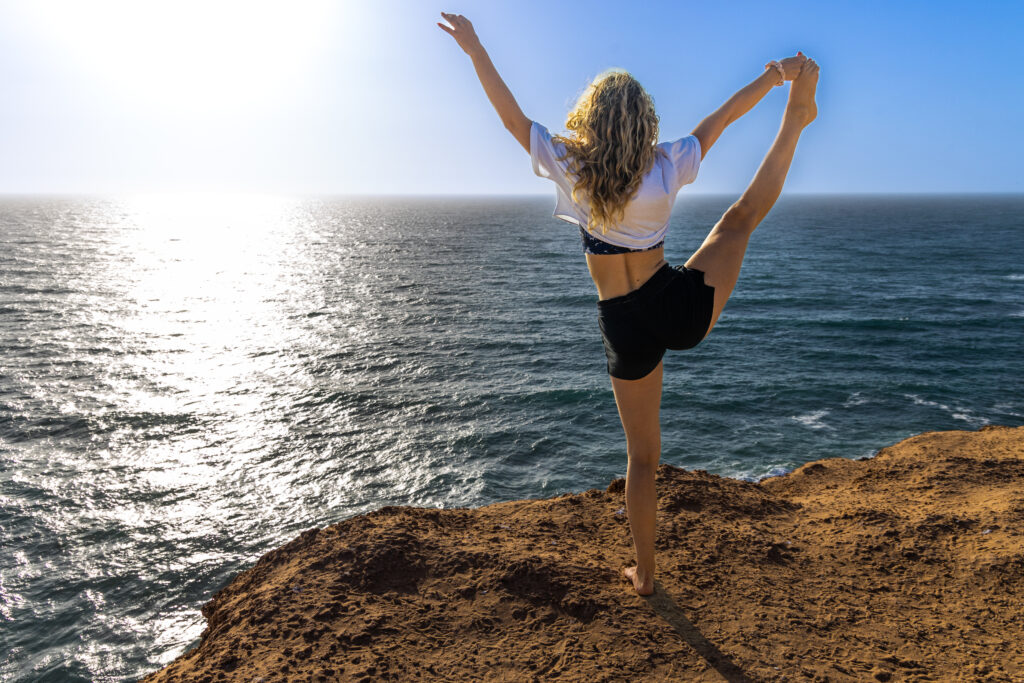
<point x="957" y="413"/>
<point x="758" y="474"/>
<point x="812" y="419"/>
<point x="856" y="399"/>
<point x="1008" y="409"/>
<point x="918" y="401"/>
<point x="971" y="419"/>
<point x="776" y="471"/>
<point x="1015" y="276"/>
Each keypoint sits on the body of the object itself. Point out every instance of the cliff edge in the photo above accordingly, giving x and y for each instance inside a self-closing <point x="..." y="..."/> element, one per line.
<point x="905" y="566"/>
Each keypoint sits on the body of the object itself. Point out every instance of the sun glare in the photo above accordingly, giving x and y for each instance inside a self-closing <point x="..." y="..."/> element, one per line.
<point x="189" y="55"/>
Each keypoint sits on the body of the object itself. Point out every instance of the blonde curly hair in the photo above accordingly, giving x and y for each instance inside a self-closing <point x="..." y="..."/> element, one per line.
<point x="614" y="144"/>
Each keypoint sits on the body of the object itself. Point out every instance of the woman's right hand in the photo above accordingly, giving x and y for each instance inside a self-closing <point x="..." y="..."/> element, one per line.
<point x="792" y="65"/>
<point x="464" y="34"/>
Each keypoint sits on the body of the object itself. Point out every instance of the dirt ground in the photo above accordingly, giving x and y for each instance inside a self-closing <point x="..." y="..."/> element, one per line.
<point x="908" y="566"/>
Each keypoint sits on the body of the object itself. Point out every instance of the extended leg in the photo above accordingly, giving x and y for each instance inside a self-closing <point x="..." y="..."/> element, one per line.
<point x="721" y="254"/>
<point x="639" y="403"/>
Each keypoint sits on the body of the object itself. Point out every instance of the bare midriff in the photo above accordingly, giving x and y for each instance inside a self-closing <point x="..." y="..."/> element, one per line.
<point x="618" y="274"/>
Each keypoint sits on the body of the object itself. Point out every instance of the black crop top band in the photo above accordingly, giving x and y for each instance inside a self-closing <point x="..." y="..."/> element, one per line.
<point x="592" y="245"/>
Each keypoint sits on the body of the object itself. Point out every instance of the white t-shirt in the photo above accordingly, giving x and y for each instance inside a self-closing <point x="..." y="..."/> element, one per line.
<point x="645" y="220"/>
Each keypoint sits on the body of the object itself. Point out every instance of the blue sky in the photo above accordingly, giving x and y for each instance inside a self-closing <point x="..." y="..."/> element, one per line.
<point x="321" y="97"/>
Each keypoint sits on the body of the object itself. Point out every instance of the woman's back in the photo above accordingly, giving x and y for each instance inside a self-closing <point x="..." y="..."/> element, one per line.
<point x="644" y="223"/>
<point x="618" y="274"/>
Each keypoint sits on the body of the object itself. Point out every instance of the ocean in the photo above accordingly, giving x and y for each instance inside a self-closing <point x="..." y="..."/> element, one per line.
<point x="189" y="382"/>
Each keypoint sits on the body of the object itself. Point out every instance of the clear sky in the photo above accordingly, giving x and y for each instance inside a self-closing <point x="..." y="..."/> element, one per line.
<point x="345" y="97"/>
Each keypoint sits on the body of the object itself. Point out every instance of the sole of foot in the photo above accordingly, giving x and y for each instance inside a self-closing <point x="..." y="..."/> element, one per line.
<point x="641" y="587"/>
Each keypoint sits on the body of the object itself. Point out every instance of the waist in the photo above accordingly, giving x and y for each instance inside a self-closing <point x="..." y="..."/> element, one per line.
<point x="627" y="285"/>
<point x="654" y="284"/>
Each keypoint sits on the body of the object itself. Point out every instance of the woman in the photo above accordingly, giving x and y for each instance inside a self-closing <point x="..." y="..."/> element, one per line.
<point x="619" y="186"/>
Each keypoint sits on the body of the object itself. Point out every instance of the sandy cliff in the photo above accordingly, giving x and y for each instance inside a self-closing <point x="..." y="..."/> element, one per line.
<point x="905" y="566"/>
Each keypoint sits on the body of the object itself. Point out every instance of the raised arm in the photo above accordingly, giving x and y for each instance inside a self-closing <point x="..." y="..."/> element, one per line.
<point x="708" y="130"/>
<point x="497" y="92"/>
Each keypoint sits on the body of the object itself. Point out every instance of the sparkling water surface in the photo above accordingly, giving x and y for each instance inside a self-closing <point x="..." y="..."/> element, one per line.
<point x="189" y="382"/>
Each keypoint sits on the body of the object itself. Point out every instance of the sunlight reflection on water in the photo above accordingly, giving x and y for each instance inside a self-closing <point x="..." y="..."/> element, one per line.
<point x="195" y="324"/>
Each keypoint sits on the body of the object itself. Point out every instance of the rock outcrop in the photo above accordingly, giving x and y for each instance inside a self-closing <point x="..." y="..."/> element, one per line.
<point x="905" y="566"/>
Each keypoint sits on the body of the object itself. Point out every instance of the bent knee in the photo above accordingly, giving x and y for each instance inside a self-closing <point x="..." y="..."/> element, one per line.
<point x="740" y="217"/>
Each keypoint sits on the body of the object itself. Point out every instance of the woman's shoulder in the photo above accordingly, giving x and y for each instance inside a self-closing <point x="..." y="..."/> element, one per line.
<point x="680" y="147"/>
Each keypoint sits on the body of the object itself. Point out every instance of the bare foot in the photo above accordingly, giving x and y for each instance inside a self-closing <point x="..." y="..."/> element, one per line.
<point x="801" y="104"/>
<point x="644" y="585"/>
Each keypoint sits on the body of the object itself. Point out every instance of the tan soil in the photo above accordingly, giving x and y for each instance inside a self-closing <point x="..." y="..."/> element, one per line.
<point x="906" y="566"/>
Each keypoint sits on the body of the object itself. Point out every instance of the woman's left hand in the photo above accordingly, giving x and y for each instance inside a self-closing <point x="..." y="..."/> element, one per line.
<point x="792" y="65"/>
<point x="462" y="32"/>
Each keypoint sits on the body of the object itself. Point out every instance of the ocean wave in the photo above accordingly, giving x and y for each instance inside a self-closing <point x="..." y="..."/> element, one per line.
<point x="776" y="471"/>
<point x="956" y="412"/>
<point x="1008" y="409"/>
<point x="813" y="419"/>
<point x="21" y="428"/>
<point x="855" y="399"/>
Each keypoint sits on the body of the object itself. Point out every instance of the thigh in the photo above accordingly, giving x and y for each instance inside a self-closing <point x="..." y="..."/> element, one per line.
<point x="720" y="258"/>
<point x="630" y="345"/>
<point x="639" y="404"/>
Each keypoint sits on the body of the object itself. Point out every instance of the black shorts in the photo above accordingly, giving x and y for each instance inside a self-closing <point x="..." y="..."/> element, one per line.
<point x="672" y="310"/>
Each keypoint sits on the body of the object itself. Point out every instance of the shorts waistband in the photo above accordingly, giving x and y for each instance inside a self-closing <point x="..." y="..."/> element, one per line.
<point x="654" y="284"/>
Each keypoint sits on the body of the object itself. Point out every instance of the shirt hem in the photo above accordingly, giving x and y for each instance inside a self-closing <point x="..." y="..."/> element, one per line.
<point x="569" y="219"/>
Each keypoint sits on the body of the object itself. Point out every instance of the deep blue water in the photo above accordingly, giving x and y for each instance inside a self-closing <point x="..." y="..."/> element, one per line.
<point x="188" y="383"/>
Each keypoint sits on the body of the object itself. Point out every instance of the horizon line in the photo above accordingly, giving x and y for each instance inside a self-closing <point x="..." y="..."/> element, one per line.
<point x="424" y="195"/>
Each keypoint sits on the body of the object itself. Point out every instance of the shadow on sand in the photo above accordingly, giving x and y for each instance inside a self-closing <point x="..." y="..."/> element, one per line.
<point x="666" y="607"/>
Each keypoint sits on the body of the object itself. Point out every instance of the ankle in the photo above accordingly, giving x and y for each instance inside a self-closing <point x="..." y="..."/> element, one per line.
<point x="799" y="114"/>
<point x="644" y="574"/>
